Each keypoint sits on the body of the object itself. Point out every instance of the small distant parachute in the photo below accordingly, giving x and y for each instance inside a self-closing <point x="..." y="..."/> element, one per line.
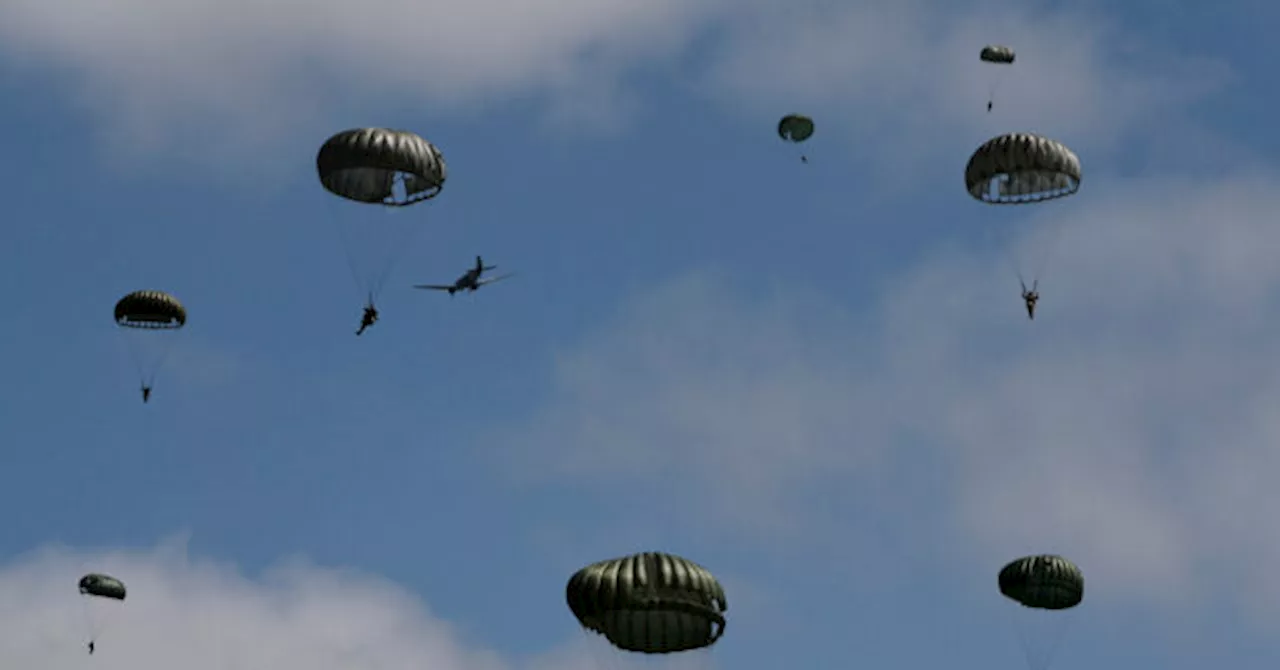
<point x="994" y="53"/>
<point x="378" y="166"/>
<point x="796" y="128"/>
<point x="102" y="586"/>
<point x="999" y="55"/>
<point x="650" y="603"/>
<point x="102" y="594"/>
<point x="1020" y="168"/>
<point x="1043" y="585"/>
<point x="144" y="316"/>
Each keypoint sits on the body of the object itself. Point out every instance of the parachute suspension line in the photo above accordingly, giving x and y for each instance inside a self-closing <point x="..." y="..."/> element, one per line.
<point x="346" y="251"/>
<point x="148" y="356"/>
<point x="400" y="194"/>
<point x="1055" y="237"/>
<point x="600" y="654"/>
<point x="1040" y="654"/>
<point x="370" y="283"/>
<point x="95" y="618"/>
<point x="402" y="243"/>
<point x="1006" y="250"/>
<point x="163" y="355"/>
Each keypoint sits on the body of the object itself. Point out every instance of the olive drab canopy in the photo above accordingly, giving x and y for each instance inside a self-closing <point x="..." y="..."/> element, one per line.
<point x="150" y="310"/>
<point x="1022" y="168"/>
<point x="994" y="53"/>
<point x="1045" y="582"/>
<point x="1047" y="588"/>
<point x="651" y="603"/>
<point x="795" y="128"/>
<point x="378" y="166"/>
<point x="102" y="586"/>
<point x="148" y="321"/>
<point x="365" y="164"/>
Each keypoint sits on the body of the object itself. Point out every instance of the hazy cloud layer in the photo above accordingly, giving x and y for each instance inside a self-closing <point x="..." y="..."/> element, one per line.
<point x="1131" y="425"/>
<point x="258" y="72"/>
<point x="200" y="615"/>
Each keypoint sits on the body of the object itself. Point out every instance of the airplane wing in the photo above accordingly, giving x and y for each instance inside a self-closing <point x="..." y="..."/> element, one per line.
<point x="434" y="287"/>
<point x="490" y="280"/>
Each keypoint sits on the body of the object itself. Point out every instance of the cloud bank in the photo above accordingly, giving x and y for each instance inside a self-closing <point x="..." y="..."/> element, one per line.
<point x="198" y="614"/>
<point x="1132" y="426"/>
<point x="251" y="75"/>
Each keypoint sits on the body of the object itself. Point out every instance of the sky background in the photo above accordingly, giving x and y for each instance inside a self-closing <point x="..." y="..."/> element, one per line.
<point x="816" y="380"/>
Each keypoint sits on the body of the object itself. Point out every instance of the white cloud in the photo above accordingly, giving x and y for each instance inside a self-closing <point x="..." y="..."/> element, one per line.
<point x="250" y="74"/>
<point x="1130" y="426"/>
<point x="201" y="615"/>
<point x="254" y="69"/>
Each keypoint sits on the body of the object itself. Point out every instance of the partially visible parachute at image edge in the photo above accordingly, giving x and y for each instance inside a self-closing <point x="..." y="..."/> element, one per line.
<point x="1021" y="168"/>
<point x="651" y="603"/>
<point x="102" y="586"/>
<point x="994" y="53"/>
<point x="1045" y="582"/>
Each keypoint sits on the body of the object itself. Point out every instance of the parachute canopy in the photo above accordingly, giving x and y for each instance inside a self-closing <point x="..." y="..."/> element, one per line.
<point x="103" y="586"/>
<point x="150" y="310"/>
<point x="795" y="128"/>
<point x="652" y="603"/>
<point x="365" y="165"/>
<point x="1023" y="168"/>
<point x="994" y="53"/>
<point x="1045" y="582"/>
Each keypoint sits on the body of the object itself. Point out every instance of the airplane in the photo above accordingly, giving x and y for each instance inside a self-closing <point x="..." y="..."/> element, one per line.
<point x="471" y="281"/>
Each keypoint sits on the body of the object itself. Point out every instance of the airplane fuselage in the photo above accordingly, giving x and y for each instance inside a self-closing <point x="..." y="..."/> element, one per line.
<point x="468" y="281"/>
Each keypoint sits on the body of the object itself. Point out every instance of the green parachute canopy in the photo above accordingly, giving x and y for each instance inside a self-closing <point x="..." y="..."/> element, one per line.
<point x="1021" y="168"/>
<point x="148" y="321"/>
<point x="153" y="310"/>
<point x="651" y="603"/>
<point x="393" y="169"/>
<point x="994" y="53"/>
<point x="367" y="164"/>
<point x="1046" y="582"/>
<point x="102" y="586"/>
<point x="795" y="128"/>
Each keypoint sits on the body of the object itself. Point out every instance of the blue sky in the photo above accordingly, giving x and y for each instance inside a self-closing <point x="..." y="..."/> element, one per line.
<point x="816" y="380"/>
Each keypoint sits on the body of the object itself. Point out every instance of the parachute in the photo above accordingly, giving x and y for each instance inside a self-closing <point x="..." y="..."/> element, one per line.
<point x="378" y="166"/>
<point x="102" y="593"/>
<point x="796" y="128"/>
<point x="649" y="603"/>
<point x="144" y="316"/>
<point x="998" y="55"/>
<point x="1023" y="168"/>
<point x="1043" y="582"/>
<point x="1043" y="585"/>
<point x="994" y="53"/>
<point x="102" y="586"/>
